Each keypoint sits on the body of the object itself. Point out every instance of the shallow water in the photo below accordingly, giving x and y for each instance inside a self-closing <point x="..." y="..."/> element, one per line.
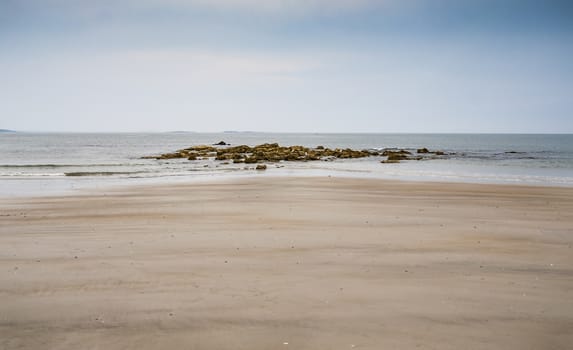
<point x="33" y="163"/>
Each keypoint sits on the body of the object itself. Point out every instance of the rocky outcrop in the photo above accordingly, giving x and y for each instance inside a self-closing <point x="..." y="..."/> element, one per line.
<point x="395" y="156"/>
<point x="273" y="152"/>
<point x="427" y="151"/>
<point x="267" y="152"/>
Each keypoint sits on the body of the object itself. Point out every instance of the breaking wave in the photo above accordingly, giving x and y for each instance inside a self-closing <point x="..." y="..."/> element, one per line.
<point x="102" y="173"/>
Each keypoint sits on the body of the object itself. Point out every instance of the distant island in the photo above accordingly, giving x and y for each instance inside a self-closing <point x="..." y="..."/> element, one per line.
<point x="6" y="131"/>
<point x="180" y="132"/>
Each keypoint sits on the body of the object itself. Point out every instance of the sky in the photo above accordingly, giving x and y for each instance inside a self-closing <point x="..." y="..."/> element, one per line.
<point x="427" y="66"/>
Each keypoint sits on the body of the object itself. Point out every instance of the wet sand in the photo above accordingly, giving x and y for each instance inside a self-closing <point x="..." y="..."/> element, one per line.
<point x="289" y="263"/>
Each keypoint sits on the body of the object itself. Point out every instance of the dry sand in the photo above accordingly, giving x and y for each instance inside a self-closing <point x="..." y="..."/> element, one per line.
<point x="289" y="263"/>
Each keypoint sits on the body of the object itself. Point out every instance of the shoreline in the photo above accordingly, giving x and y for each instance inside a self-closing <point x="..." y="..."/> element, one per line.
<point x="73" y="187"/>
<point x="345" y="180"/>
<point x="312" y="262"/>
<point x="39" y="163"/>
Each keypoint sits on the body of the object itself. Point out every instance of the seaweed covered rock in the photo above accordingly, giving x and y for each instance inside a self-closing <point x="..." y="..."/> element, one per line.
<point x="388" y="152"/>
<point x="395" y="156"/>
<point x="273" y="153"/>
<point x="267" y="152"/>
<point x="202" y="148"/>
<point x="427" y="151"/>
<point x="173" y="155"/>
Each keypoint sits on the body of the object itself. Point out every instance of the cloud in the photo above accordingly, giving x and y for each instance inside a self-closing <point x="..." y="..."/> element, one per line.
<point x="274" y="6"/>
<point x="167" y="68"/>
<point x="135" y="87"/>
<point x="87" y="7"/>
<point x="205" y="66"/>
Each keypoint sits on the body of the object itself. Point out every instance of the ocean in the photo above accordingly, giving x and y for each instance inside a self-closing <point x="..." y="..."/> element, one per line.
<point x="49" y="163"/>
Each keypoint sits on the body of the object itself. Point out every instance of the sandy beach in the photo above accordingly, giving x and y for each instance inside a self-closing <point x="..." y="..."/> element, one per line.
<point x="289" y="263"/>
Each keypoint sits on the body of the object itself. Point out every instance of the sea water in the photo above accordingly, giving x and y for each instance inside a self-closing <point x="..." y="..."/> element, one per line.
<point x="46" y="163"/>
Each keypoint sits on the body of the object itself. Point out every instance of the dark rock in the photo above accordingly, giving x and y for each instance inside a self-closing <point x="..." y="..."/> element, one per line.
<point x="387" y="152"/>
<point x="397" y="156"/>
<point x="173" y="155"/>
<point x="292" y="157"/>
<point x="423" y="150"/>
<point x="239" y="149"/>
<point x="261" y="167"/>
<point x="221" y="143"/>
<point x="224" y="156"/>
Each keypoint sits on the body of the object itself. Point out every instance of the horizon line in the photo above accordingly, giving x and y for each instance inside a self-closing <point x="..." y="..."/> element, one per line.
<point x="284" y="132"/>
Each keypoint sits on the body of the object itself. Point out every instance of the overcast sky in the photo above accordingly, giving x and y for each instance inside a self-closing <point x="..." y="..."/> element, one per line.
<point x="287" y="65"/>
